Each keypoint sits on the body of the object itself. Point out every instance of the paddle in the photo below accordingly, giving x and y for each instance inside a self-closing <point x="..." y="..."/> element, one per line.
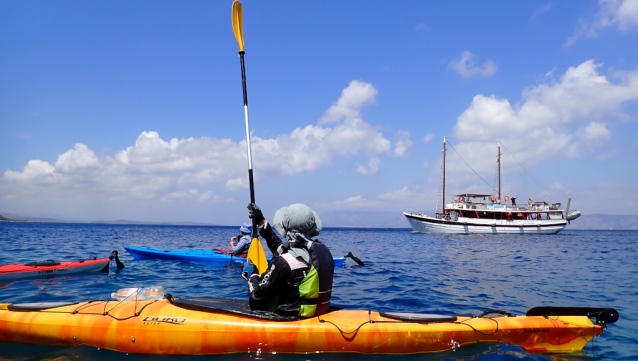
<point x="256" y="253"/>
<point x="356" y="259"/>
<point x="114" y="255"/>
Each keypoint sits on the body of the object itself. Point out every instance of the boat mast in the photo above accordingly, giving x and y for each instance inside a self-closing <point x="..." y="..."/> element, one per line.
<point x="443" y="177"/>
<point x="499" y="170"/>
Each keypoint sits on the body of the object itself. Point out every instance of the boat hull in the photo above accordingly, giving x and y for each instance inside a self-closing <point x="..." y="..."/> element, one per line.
<point x="14" y="272"/>
<point x="159" y="327"/>
<point x="426" y="224"/>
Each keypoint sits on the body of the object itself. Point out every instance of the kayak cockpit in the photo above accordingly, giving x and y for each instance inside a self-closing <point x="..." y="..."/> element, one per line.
<point x="228" y="306"/>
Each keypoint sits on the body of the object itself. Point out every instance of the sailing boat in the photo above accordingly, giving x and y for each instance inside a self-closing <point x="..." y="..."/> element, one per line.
<point x="489" y="213"/>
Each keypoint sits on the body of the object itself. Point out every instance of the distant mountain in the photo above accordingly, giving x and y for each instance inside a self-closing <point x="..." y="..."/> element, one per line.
<point x="605" y="222"/>
<point x="2" y="218"/>
<point x="17" y="217"/>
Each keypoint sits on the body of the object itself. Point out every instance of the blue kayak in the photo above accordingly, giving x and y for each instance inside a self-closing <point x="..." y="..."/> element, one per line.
<point x="213" y="255"/>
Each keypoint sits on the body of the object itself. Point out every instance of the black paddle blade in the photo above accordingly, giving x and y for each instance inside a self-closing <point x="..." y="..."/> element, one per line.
<point x="356" y="259"/>
<point x="113" y="255"/>
<point x="603" y="315"/>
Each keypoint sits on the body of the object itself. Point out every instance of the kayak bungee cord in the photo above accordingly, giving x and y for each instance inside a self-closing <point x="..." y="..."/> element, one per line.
<point x="371" y="321"/>
<point x="342" y="331"/>
<point x="475" y="330"/>
<point x="105" y="312"/>
<point x="554" y="321"/>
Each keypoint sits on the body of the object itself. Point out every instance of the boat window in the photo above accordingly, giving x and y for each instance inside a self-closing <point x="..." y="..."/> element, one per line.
<point x="555" y="215"/>
<point x="470" y="214"/>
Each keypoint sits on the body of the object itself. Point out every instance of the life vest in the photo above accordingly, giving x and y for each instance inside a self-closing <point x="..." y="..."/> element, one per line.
<point x="315" y="290"/>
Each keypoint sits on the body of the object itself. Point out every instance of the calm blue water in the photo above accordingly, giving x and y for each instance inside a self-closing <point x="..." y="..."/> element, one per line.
<point x="403" y="272"/>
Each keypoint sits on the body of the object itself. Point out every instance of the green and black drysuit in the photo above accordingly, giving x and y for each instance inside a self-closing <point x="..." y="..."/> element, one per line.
<point x="292" y="286"/>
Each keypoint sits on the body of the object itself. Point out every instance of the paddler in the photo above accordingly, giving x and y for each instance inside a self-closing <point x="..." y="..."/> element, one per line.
<point x="298" y="281"/>
<point x="243" y="240"/>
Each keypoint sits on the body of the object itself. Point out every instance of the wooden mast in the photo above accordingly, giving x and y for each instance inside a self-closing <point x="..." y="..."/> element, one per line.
<point x="499" y="171"/>
<point x="443" y="177"/>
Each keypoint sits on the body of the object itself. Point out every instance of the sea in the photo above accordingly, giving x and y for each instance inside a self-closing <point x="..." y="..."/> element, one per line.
<point x="404" y="271"/>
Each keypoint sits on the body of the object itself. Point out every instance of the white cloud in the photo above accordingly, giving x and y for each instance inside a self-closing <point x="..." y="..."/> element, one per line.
<point x="566" y="117"/>
<point x="75" y="159"/>
<point x="620" y="13"/>
<point x="167" y="170"/>
<point x="402" y="143"/>
<point x="466" y="67"/>
<point x="237" y="183"/>
<point x="176" y="195"/>
<point x="34" y="169"/>
<point x="362" y="169"/>
<point x="541" y="10"/>
<point x="351" y="200"/>
<point x="207" y="195"/>
<point x="355" y="96"/>
<point x="627" y="14"/>
<point x="372" y="169"/>
<point x="599" y="196"/>
<point x="428" y="138"/>
<point x="406" y="198"/>
<point x="595" y="132"/>
<point x="400" y="195"/>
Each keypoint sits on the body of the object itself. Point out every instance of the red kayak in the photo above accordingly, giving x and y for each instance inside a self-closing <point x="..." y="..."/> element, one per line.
<point x="51" y="268"/>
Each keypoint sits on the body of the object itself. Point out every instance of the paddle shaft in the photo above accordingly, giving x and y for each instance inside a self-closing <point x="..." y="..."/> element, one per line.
<point x="248" y="149"/>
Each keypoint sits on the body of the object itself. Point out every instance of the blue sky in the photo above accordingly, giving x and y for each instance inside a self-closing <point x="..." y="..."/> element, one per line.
<point x="349" y="102"/>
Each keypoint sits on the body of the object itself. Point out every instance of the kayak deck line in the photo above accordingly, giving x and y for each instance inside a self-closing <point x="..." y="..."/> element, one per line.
<point x="160" y="327"/>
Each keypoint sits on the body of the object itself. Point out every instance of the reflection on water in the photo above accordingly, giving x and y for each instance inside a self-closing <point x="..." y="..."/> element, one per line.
<point x="404" y="272"/>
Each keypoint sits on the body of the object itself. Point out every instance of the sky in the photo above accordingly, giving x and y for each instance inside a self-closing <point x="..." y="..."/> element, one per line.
<point x="134" y="110"/>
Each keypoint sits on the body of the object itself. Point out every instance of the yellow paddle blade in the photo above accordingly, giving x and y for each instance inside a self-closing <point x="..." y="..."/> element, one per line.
<point x="257" y="255"/>
<point x="238" y="25"/>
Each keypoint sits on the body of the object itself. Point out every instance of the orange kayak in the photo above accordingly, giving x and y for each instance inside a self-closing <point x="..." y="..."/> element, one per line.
<point x="216" y="326"/>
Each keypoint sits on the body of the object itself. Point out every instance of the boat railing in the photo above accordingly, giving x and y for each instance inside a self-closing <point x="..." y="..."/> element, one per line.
<point x="526" y="207"/>
<point x="534" y="208"/>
